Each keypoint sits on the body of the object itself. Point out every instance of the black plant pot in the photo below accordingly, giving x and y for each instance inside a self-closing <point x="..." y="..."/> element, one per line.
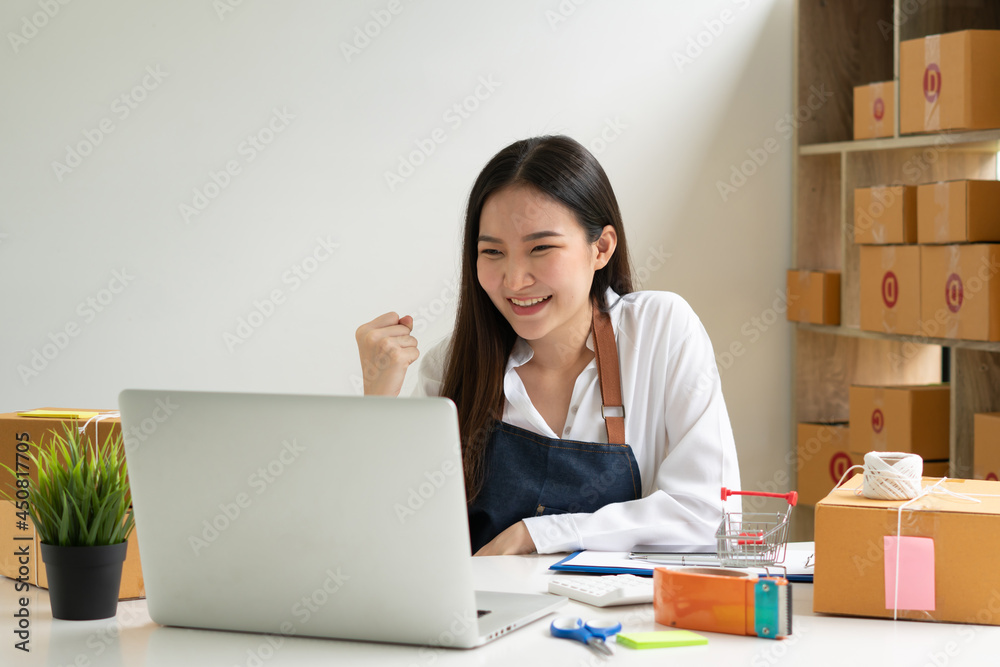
<point x="84" y="581"/>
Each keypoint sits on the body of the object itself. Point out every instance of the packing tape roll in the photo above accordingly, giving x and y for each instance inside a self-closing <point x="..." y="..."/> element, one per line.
<point x="892" y="475"/>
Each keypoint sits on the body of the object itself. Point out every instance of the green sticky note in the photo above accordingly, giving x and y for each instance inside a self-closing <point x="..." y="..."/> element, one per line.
<point x="661" y="639"/>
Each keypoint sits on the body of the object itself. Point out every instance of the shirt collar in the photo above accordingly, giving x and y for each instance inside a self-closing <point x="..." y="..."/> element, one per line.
<point x="522" y="352"/>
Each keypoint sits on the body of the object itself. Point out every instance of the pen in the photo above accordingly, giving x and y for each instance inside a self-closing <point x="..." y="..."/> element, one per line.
<point x="674" y="560"/>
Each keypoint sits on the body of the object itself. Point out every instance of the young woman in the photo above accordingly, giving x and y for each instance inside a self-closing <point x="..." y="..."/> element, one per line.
<point x="591" y="416"/>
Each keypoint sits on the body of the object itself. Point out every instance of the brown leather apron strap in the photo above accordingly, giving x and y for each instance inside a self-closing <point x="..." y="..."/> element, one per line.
<point x="606" y="354"/>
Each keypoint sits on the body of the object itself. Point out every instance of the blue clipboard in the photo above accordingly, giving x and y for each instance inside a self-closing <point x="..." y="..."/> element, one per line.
<point x="566" y="565"/>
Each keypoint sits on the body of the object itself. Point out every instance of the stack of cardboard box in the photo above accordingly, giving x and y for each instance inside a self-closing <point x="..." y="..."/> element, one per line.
<point x="929" y="256"/>
<point x="898" y="419"/>
<point x="20" y="555"/>
<point x="928" y="263"/>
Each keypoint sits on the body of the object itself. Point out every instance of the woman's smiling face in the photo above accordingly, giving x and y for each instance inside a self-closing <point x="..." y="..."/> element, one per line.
<point x="535" y="262"/>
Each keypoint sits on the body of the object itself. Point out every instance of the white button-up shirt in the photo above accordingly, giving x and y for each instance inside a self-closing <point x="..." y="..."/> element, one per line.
<point x="675" y="421"/>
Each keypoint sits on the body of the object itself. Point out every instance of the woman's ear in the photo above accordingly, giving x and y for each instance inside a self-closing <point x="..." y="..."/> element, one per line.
<point x="605" y="245"/>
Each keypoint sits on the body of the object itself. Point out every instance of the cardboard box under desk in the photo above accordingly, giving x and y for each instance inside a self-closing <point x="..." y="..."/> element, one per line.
<point x="901" y="419"/>
<point x="960" y="291"/>
<point x="986" y="445"/>
<point x="875" y="110"/>
<point x="890" y="289"/>
<point x="948" y="556"/>
<point x="958" y="212"/>
<point x="814" y="296"/>
<point x="885" y="214"/>
<point x="950" y="82"/>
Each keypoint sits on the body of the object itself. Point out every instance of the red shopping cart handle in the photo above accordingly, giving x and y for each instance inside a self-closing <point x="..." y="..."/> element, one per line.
<point x="792" y="496"/>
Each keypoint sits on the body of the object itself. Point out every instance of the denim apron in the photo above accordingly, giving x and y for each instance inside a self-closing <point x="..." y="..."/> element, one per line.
<point x="527" y="474"/>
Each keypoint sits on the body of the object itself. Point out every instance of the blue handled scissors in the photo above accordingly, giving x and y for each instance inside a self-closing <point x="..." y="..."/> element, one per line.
<point x="591" y="633"/>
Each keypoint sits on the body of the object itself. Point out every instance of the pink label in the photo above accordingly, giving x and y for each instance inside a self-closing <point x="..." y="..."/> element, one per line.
<point x="915" y="557"/>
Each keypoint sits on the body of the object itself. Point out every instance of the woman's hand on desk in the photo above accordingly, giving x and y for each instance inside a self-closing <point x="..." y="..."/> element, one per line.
<point x="387" y="349"/>
<point x="513" y="540"/>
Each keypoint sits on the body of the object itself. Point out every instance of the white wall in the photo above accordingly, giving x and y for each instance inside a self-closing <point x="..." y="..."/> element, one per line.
<point x="673" y="129"/>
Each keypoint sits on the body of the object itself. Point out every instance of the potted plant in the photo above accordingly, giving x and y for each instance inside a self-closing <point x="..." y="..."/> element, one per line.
<point x="80" y="508"/>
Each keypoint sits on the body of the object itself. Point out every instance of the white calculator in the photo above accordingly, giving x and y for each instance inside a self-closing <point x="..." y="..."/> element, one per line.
<point x="604" y="591"/>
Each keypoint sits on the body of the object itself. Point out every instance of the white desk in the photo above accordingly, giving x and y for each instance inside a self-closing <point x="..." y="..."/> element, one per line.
<point x="132" y="639"/>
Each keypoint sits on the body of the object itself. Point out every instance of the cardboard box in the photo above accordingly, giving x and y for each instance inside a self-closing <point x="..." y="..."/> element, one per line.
<point x="890" y="289"/>
<point x="950" y="82"/>
<point x="875" y="110"/>
<point x="901" y="419"/>
<point x="937" y="469"/>
<point x="14" y="538"/>
<point x="958" y="212"/>
<point x="823" y="458"/>
<point x="814" y="296"/>
<point x="948" y="572"/>
<point x="15" y="429"/>
<point x="885" y="214"/>
<point x="986" y="445"/>
<point x="959" y="291"/>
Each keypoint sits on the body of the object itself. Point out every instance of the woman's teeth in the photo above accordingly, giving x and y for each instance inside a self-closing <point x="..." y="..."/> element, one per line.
<point x="529" y="302"/>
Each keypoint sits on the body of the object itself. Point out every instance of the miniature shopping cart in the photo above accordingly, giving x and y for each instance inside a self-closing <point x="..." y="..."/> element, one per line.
<point x="754" y="539"/>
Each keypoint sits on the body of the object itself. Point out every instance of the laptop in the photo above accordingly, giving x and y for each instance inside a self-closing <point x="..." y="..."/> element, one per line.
<point x="320" y="516"/>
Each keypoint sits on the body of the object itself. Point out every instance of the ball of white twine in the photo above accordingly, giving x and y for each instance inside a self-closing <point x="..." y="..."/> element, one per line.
<point x="892" y="475"/>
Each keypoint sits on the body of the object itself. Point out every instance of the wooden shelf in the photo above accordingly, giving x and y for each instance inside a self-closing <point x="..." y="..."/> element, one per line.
<point x="855" y="332"/>
<point x="987" y="141"/>
<point x="840" y="45"/>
